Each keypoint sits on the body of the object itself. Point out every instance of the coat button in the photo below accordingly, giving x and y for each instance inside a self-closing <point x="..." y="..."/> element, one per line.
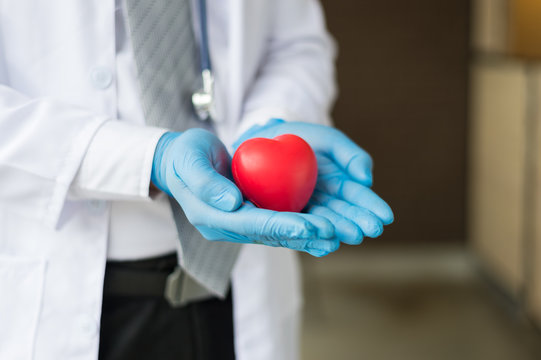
<point x="96" y="206"/>
<point x="101" y="77"/>
<point x="88" y="326"/>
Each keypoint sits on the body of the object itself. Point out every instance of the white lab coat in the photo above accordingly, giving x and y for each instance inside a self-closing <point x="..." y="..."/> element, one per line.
<point x="272" y="58"/>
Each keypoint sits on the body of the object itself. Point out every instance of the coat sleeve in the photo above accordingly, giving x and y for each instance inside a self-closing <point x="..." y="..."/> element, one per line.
<point x="295" y="80"/>
<point x="50" y="149"/>
<point x="118" y="163"/>
<point x="42" y="143"/>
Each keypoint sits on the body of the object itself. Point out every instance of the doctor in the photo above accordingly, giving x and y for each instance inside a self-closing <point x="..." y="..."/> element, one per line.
<point x="91" y="167"/>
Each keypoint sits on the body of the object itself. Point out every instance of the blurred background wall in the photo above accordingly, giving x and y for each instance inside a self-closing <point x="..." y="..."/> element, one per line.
<point x="446" y="96"/>
<point x="505" y="170"/>
<point x="403" y="79"/>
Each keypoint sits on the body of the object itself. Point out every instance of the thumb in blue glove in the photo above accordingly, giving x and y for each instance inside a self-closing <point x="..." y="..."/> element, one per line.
<point x="204" y="164"/>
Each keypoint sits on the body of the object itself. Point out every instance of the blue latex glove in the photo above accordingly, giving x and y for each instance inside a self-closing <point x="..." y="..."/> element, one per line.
<point x="342" y="193"/>
<point x="194" y="168"/>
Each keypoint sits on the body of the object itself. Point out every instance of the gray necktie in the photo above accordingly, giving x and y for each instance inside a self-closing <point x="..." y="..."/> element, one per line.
<point x="168" y="73"/>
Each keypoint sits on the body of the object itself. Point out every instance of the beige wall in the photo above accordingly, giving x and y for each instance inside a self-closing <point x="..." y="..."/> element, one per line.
<point x="505" y="176"/>
<point x="497" y="169"/>
<point x="533" y="247"/>
<point x="505" y="146"/>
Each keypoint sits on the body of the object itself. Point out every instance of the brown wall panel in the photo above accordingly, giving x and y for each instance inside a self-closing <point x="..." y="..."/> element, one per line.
<point x="402" y="73"/>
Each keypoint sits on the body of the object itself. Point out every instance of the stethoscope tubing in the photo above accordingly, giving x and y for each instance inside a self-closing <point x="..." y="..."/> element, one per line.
<point x="203" y="99"/>
<point x="204" y="48"/>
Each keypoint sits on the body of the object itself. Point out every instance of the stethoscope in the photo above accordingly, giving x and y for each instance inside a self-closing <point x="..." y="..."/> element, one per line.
<point x="203" y="100"/>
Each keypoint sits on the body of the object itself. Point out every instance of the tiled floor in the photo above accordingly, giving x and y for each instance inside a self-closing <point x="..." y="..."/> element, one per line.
<point x="409" y="303"/>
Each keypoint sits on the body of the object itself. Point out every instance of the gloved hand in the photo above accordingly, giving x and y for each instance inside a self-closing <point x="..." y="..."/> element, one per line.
<point x="342" y="193"/>
<point x="194" y="168"/>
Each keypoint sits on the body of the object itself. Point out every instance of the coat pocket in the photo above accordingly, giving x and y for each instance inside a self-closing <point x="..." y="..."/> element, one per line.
<point x="21" y="291"/>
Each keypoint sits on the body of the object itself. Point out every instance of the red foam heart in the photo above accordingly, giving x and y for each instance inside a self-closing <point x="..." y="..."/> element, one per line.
<point x="277" y="174"/>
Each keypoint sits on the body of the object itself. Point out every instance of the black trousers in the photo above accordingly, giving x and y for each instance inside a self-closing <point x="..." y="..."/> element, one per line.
<point x="147" y="327"/>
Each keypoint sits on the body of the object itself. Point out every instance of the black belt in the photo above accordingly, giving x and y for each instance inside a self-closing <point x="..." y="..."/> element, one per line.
<point x="139" y="278"/>
<point x="156" y="277"/>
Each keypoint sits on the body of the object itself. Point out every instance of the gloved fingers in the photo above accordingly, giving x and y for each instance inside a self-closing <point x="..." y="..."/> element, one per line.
<point x="214" y="234"/>
<point x="290" y="230"/>
<point x="325" y="228"/>
<point x="351" y="158"/>
<point x="327" y="168"/>
<point x="203" y="169"/>
<point x="253" y="225"/>
<point x="316" y="248"/>
<point x="300" y="245"/>
<point x="356" y="194"/>
<point x="322" y="245"/>
<point x="324" y="241"/>
<point x="346" y="231"/>
<point x="370" y="224"/>
<point x="317" y="253"/>
<point x="359" y="168"/>
<point x="267" y="225"/>
<point x="357" y="164"/>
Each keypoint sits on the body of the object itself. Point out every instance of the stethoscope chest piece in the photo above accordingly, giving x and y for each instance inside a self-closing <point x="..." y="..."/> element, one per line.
<point x="203" y="100"/>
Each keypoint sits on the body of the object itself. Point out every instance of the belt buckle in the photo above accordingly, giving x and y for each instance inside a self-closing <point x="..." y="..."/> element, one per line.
<point x="173" y="288"/>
